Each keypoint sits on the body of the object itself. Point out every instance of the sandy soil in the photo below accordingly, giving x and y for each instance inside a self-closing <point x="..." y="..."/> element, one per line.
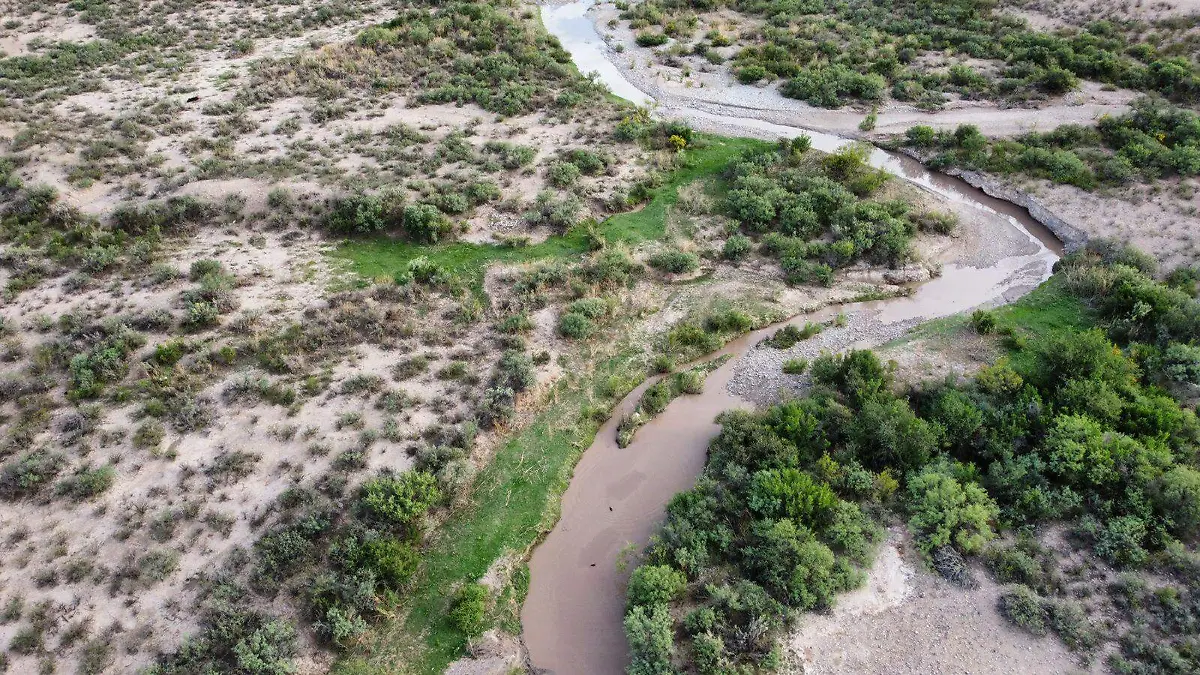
<point x="1162" y="219"/>
<point x="908" y="620"/>
<point x="1054" y="14"/>
<point x="712" y="88"/>
<point x="162" y="499"/>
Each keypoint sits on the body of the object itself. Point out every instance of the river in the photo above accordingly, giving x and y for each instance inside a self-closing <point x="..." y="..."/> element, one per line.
<point x="572" y="617"/>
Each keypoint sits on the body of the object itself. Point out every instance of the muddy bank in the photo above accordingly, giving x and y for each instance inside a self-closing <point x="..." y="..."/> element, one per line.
<point x="1071" y="236"/>
<point x="572" y="617"/>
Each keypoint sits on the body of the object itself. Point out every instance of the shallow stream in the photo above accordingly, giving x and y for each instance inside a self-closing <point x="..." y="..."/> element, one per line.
<point x="572" y="617"/>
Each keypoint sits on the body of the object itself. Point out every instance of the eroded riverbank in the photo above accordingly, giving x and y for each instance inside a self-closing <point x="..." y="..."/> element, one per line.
<point x="572" y="615"/>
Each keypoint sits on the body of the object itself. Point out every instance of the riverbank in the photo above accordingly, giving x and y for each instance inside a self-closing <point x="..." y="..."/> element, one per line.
<point x="714" y="90"/>
<point x="572" y="614"/>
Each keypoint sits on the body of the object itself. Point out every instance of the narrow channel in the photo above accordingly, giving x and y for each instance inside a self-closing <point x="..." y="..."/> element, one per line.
<point x="572" y="617"/>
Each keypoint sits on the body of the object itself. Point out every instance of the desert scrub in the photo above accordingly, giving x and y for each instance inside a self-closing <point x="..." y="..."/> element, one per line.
<point x="29" y="473"/>
<point x="410" y="367"/>
<point x="104" y="361"/>
<point x="816" y="215"/>
<point x="87" y="483"/>
<point x="659" y="395"/>
<point x="834" y="55"/>
<point x="675" y="262"/>
<point x="1154" y="141"/>
<point x="494" y="57"/>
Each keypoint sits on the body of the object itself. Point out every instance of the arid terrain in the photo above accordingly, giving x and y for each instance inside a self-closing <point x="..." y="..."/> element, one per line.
<point x="310" y="310"/>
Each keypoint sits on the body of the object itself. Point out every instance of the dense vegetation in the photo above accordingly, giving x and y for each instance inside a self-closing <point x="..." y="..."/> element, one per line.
<point x="1075" y="426"/>
<point x="1152" y="141"/>
<point x="480" y="52"/>
<point x="830" y="53"/>
<point x="817" y="213"/>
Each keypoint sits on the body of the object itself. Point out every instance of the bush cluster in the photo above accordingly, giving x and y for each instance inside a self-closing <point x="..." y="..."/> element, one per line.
<point x="1072" y="427"/>
<point x="831" y="54"/>
<point x="1154" y="140"/>
<point x="815" y="215"/>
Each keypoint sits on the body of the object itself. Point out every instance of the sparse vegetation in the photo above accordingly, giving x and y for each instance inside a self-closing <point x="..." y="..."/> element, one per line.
<point x="1153" y="141"/>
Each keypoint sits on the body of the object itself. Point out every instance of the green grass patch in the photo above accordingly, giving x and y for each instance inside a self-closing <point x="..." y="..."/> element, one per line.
<point x="516" y="500"/>
<point x="383" y="257"/>
<point x="1047" y="309"/>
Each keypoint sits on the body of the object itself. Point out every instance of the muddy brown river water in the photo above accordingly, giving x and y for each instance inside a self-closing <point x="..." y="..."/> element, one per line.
<point x="572" y="617"/>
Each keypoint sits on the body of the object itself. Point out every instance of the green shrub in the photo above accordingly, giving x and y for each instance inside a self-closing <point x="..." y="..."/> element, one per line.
<point x="650" y="636"/>
<point x="656" y="398"/>
<point x="944" y="511"/>
<point x="558" y="211"/>
<point x="795" y="366"/>
<point x="575" y="326"/>
<point x="563" y="174"/>
<point x="831" y="86"/>
<point x="357" y="214"/>
<point x="497" y="407"/>
<point x="205" y="267"/>
<point x="651" y="585"/>
<point x="425" y="223"/>
<point x="920" y="136"/>
<point x="1069" y="621"/>
<point x="515" y="323"/>
<point x="736" y="247"/>
<point x="937" y="222"/>
<point x="1119" y="540"/>
<point x="792" y="494"/>
<point x="983" y="321"/>
<point x="751" y="74"/>
<point x="592" y="308"/>
<point x="423" y="270"/>
<point x="511" y="156"/>
<point x="1024" y="608"/>
<point x="399" y="501"/>
<point x="87" y="483"/>
<point x="675" y="262"/>
<point x="651" y="39"/>
<point x="470" y="609"/>
<point x="795" y="567"/>
<point x="515" y="371"/>
<point x="29" y="473"/>
<point x="1181" y="363"/>
<point x="1177" y="497"/>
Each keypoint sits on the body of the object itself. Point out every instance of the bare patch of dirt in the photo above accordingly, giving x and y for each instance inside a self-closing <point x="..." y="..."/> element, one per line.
<point x="909" y="620"/>
<point x="1162" y="219"/>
